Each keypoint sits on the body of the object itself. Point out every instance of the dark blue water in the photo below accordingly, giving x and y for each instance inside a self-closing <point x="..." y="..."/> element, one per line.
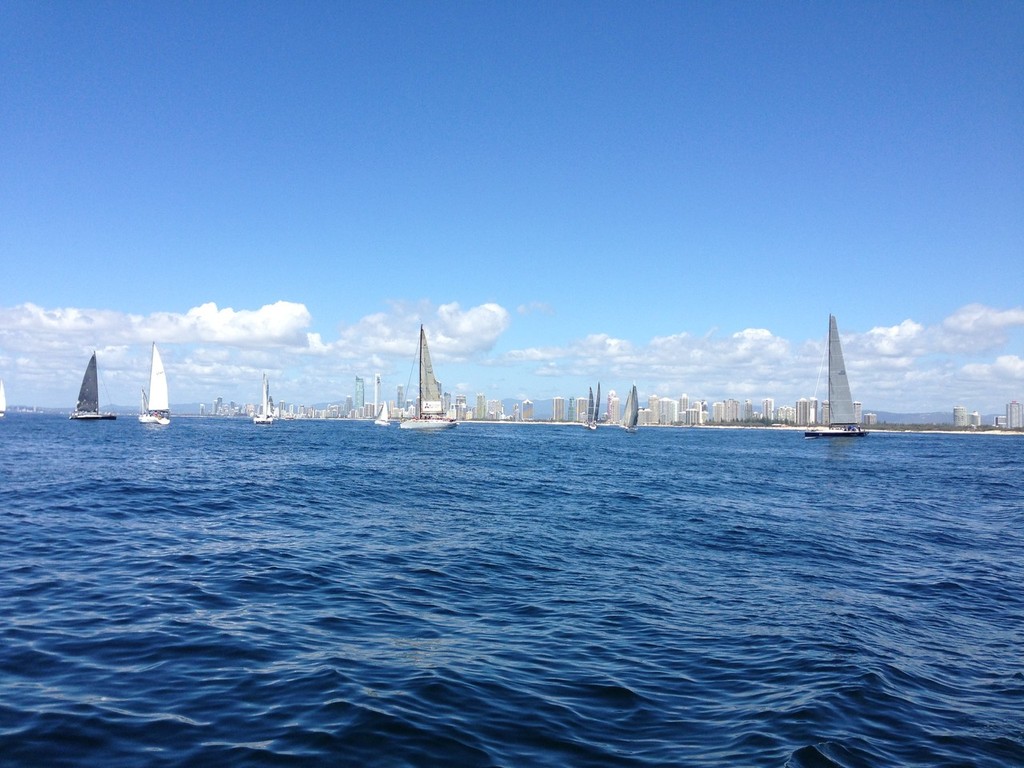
<point x="319" y="593"/>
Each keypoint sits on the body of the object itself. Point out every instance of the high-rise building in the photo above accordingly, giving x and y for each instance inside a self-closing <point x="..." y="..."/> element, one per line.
<point x="959" y="416"/>
<point x="768" y="409"/>
<point x="376" y="392"/>
<point x="803" y="412"/>
<point x="558" y="409"/>
<point x="1014" y="415"/>
<point x="684" y="403"/>
<point x="527" y="410"/>
<point x="655" y="411"/>
<point x="614" y="411"/>
<point x="717" y="412"/>
<point x="400" y="398"/>
<point x="460" y="407"/>
<point x="480" y="412"/>
<point x="858" y="412"/>
<point x="360" y="398"/>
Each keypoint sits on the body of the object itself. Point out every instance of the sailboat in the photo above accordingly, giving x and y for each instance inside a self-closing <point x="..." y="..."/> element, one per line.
<point x="429" y="407"/>
<point x="88" y="407"/>
<point x="383" y="416"/>
<point x="593" y="408"/>
<point x="155" y="408"/>
<point x="265" y="415"/>
<point x="632" y="414"/>
<point x="3" y="399"/>
<point x="842" y="421"/>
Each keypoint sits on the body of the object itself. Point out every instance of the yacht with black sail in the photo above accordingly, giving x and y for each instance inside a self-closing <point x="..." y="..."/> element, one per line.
<point x="88" y="407"/>
<point x="842" y="421"/>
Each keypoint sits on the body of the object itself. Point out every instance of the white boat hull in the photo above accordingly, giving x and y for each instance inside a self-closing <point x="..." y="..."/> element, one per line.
<point x="428" y="424"/>
<point x="147" y="418"/>
<point x="263" y="420"/>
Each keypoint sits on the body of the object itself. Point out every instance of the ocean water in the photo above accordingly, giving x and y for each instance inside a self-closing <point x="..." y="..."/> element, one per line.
<point x="336" y="593"/>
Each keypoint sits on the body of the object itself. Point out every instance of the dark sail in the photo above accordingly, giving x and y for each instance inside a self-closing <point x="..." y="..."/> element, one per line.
<point x="89" y="394"/>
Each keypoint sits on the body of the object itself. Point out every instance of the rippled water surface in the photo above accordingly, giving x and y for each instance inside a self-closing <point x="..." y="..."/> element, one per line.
<point x="213" y="593"/>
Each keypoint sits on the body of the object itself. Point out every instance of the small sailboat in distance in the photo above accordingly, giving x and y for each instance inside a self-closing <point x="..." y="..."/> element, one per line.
<point x="88" y="406"/>
<point x="593" y="407"/>
<point x="155" y="407"/>
<point x="842" y="421"/>
<point x="430" y="405"/>
<point x="265" y="415"/>
<point x="632" y="411"/>
<point x="3" y="399"/>
<point x="383" y="416"/>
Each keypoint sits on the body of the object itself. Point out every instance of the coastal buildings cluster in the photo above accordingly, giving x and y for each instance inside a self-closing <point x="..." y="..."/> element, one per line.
<point x="657" y="411"/>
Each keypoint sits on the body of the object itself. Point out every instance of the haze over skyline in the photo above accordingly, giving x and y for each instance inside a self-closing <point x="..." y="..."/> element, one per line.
<point x="672" y="194"/>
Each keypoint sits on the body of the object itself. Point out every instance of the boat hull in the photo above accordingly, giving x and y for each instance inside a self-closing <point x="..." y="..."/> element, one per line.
<point x="146" y="418"/>
<point x="851" y="432"/>
<point x="432" y="425"/>
<point x="92" y="416"/>
<point x="263" y="421"/>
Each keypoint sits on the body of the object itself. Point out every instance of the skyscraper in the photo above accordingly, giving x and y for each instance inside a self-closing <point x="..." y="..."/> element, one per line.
<point x="558" y="409"/>
<point x="1014" y="415"/>
<point x="959" y="416"/>
<point x="360" y="397"/>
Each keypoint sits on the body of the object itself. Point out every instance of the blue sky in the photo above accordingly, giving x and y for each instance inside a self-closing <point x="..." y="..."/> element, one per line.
<point x="673" y="194"/>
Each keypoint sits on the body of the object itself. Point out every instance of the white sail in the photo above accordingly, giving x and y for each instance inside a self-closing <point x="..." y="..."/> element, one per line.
<point x="383" y="416"/>
<point x="3" y="399"/>
<point x="632" y="412"/>
<point x="430" y="408"/>
<point x="158" y="396"/>
<point x="840" y="401"/>
<point x="155" y="406"/>
<point x="265" y="415"/>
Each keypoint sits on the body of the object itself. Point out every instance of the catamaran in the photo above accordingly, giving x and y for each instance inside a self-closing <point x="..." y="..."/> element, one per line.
<point x="632" y="411"/>
<point x="842" y="421"/>
<point x="265" y="415"/>
<point x="88" y="407"/>
<point x="429" y="407"/>
<point x="155" y="407"/>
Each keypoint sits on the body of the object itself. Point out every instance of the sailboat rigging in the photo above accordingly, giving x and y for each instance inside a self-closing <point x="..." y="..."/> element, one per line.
<point x="88" y="406"/>
<point x="430" y="406"/>
<point x="155" y="407"/>
<point x="842" y="420"/>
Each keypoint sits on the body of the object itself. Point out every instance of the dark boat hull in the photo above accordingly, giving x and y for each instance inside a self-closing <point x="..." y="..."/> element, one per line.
<point x="855" y="432"/>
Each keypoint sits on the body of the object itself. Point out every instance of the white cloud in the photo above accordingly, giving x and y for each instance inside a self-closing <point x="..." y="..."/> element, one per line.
<point x="213" y="351"/>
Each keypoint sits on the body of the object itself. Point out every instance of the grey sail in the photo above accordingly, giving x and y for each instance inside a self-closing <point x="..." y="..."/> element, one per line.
<point x="89" y="394"/>
<point x="840" y="401"/>
<point x="632" y="412"/>
<point x="430" y="391"/>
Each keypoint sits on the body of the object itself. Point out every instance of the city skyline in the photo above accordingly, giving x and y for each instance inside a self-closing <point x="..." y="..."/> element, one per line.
<point x="675" y="194"/>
